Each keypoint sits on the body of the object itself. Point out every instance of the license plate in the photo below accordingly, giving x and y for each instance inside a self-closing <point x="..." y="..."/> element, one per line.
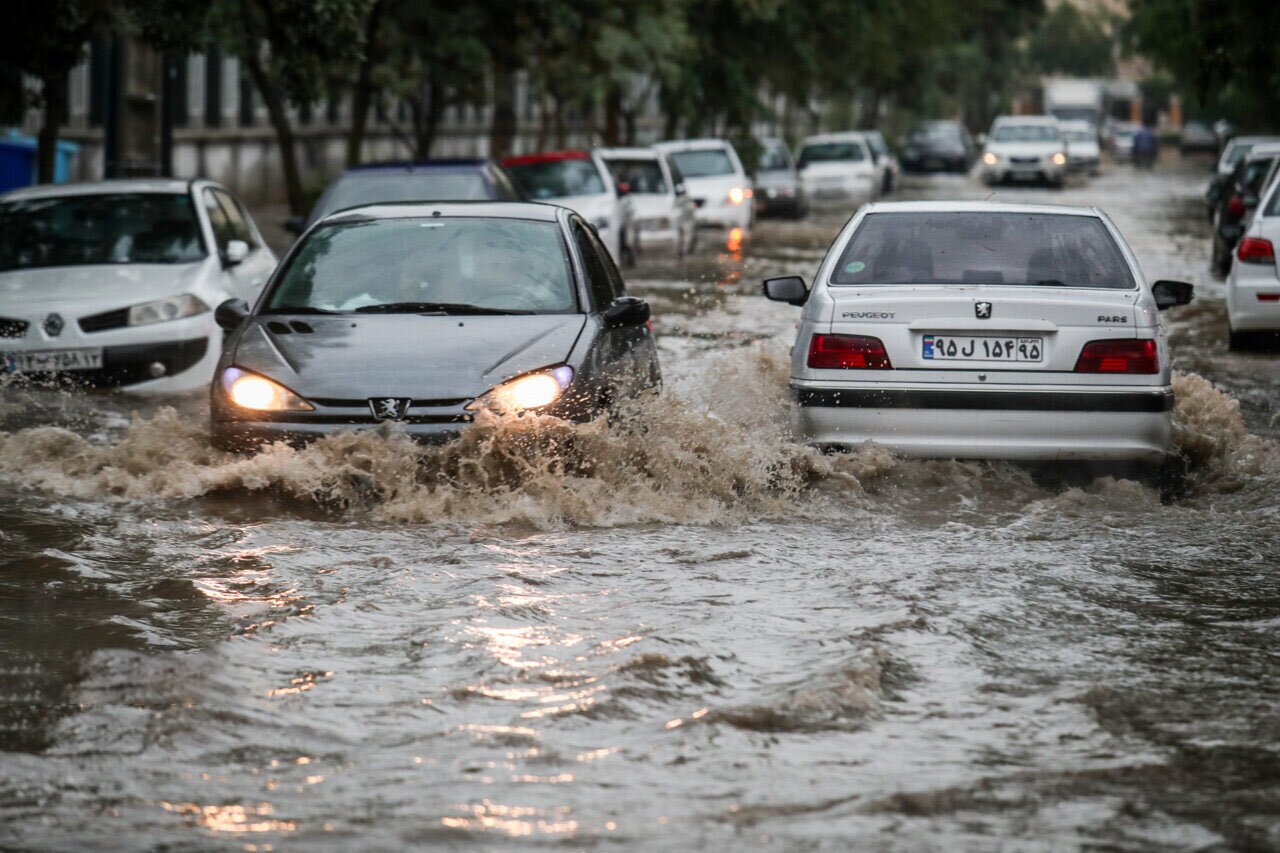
<point x="53" y="361"/>
<point x="973" y="348"/>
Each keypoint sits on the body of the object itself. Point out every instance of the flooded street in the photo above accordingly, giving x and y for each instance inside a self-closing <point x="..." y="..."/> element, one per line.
<point x="679" y="630"/>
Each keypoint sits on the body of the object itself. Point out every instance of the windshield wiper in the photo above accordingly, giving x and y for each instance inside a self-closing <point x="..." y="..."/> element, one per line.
<point x="433" y="308"/>
<point x="297" y="309"/>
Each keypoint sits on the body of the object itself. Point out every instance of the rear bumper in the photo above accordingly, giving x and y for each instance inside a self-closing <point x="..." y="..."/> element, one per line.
<point x="1019" y="425"/>
<point x="1245" y="311"/>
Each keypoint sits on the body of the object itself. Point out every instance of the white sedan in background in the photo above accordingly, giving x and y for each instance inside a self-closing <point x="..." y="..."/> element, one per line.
<point x="840" y="168"/>
<point x="1253" y="284"/>
<point x="662" y="212"/>
<point x="716" y="181"/>
<point x="1025" y="148"/>
<point x="580" y="181"/>
<point x="976" y="330"/>
<point x="114" y="283"/>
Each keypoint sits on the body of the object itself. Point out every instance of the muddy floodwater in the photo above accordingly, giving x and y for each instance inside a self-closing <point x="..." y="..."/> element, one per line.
<point x="681" y="630"/>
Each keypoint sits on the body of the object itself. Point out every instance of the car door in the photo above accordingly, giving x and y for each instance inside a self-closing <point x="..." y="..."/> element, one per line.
<point x="245" y="278"/>
<point x="684" y="206"/>
<point x="612" y="357"/>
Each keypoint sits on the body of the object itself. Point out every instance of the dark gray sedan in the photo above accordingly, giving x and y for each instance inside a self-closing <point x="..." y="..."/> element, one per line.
<point x="425" y="314"/>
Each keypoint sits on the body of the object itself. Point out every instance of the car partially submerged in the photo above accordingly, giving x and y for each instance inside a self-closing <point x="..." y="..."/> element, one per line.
<point x="424" y="315"/>
<point x="980" y="330"/>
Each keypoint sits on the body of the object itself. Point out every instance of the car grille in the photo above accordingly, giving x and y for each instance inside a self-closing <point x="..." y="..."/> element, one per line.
<point x="117" y="319"/>
<point x="1024" y="161"/>
<point x="363" y="403"/>
<point x="10" y="328"/>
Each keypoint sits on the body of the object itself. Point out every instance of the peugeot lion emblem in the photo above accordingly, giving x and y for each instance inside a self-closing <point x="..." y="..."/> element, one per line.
<point x="982" y="310"/>
<point x="53" y="325"/>
<point x="389" y="408"/>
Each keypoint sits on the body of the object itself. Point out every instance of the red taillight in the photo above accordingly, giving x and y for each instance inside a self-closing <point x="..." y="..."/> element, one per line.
<point x="1255" y="250"/>
<point x="1119" y="356"/>
<point x="1235" y="206"/>
<point x="848" y="352"/>
<point x="1269" y="297"/>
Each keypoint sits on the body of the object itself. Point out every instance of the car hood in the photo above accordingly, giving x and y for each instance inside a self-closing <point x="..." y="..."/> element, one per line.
<point x="652" y="205"/>
<point x="836" y="169"/>
<point x="1024" y="149"/>
<point x="89" y="288"/>
<point x="405" y="355"/>
<point x="714" y="188"/>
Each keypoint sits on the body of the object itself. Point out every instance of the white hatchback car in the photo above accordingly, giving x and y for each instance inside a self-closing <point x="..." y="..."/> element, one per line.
<point x="982" y="330"/>
<point x="114" y="283"/>
<point x="840" y="168"/>
<point x="716" y="181"/>
<point x="662" y="212"/>
<point x="1025" y="148"/>
<point x="1253" y="284"/>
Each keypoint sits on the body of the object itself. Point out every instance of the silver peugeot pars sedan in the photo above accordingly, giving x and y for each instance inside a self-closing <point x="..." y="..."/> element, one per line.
<point x="425" y="314"/>
<point x="982" y="330"/>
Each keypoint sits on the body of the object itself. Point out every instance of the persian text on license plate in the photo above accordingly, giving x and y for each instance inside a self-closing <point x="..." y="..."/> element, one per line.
<point x="53" y="361"/>
<point x="973" y="348"/>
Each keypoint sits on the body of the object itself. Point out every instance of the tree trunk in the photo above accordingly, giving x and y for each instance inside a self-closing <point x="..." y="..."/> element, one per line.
<point x="279" y="118"/>
<point x="427" y="109"/>
<point x="362" y="97"/>
<point x="502" y="132"/>
<point x="613" y="115"/>
<point x="55" y="102"/>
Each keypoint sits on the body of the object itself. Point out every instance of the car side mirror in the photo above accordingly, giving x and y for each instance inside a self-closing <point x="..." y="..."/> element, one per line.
<point x="680" y="189"/>
<point x="790" y="289"/>
<point x="1171" y="293"/>
<point x="231" y="313"/>
<point x="624" y="188"/>
<point x="626" y="311"/>
<point x="236" y="252"/>
<point x="295" y="225"/>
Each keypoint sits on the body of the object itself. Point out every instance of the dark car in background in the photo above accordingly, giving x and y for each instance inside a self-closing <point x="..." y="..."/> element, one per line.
<point x="428" y="180"/>
<point x="933" y="146"/>
<point x="425" y="315"/>
<point x="778" y="191"/>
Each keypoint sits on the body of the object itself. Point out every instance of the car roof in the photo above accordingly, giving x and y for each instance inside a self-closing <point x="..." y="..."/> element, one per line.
<point x="635" y="153"/>
<point x="124" y="185"/>
<point x="1076" y="124"/>
<point x="411" y="166"/>
<point x="841" y="136"/>
<point x="704" y="143"/>
<point x="417" y="209"/>
<point x="979" y="207"/>
<point x="1252" y="140"/>
<point x="1262" y="150"/>
<point x="1026" y="120"/>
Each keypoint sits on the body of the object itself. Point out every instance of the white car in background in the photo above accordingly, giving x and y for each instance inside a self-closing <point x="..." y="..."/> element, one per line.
<point x="980" y="330"/>
<point x="1083" y="152"/>
<point x="1025" y="148"/>
<point x="662" y="212"/>
<point x="580" y="181"/>
<point x="114" y="283"/>
<point x="886" y="161"/>
<point x="715" y="180"/>
<point x="840" y="168"/>
<point x="1253" y="284"/>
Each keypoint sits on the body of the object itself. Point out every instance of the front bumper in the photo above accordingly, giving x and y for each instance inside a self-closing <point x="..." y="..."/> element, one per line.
<point x="1009" y="171"/>
<point x="1128" y="425"/>
<point x="724" y="215"/>
<point x="133" y="364"/>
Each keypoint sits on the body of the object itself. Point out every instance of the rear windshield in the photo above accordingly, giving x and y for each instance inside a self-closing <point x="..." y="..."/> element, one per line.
<point x="378" y="188"/>
<point x="1026" y="133"/>
<point x="114" y="228"/>
<point x="1039" y="249"/>
<point x="774" y="158"/>
<point x="824" y="152"/>
<point x="500" y="264"/>
<point x="558" y="178"/>
<point x="703" y="163"/>
<point x="641" y="176"/>
<point x="944" y="132"/>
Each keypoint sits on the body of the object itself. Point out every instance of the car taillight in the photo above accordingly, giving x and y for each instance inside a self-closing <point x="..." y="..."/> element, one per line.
<point x="848" y="352"/>
<point x="1119" y="356"/>
<point x="1235" y="206"/>
<point x="1255" y="250"/>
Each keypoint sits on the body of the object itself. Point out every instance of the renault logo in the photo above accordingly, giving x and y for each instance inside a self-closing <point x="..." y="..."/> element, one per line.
<point x="982" y="310"/>
<point x="389" y="408"/>
<point x="53" y="325"/>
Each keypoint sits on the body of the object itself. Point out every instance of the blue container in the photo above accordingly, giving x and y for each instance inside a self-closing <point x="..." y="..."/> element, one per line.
<point x="18" y="161"/>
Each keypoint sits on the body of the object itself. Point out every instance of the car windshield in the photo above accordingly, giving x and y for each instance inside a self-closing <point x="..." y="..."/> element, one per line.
<point x="112" y="228"/>
<point x="774" y="159"/>
<point x="1026" y="133"/>
<point x="495" y="265"/>
<point x="1040" y="249"/>
<point x="945" y="132"/>
<point x="703" y="163"/>
<point x="826" y="152"/>
<point x="558" y="178"/>
<point x="641" y="176"/>
<point x="385" y="187"/>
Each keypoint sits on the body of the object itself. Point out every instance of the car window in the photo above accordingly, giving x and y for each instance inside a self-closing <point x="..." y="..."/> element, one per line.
<point x="1037" y="249"/>
<point x="504" y="187"/>
<point x="558" y="178"/>
<point x="110" y="228"/>
<point x="236" y="216"/>
<point x="824" y="152"/>
<point x="360" y="188"/>
<point x="774" y="158"/>
<point x="596" y="264"/>
<point x="703" y="162"/>
<point x="1254" y="173"/>
<point x="500" y="264"/>
<point x="643" y="176"/>
<point x="218" y="220"/>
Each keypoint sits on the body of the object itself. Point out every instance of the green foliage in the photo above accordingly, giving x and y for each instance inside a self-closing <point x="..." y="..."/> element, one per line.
<point x="1073" y="43"/>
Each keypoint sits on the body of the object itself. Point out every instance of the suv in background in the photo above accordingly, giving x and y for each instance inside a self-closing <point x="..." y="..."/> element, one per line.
<point x="938" y="146"/>
<point x="716" y="181"/>
<point x="778" y="190"/>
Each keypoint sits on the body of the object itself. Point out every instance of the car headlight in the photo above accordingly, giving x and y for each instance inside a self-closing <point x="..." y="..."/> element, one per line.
<point x="601" y="223"/>
<point x="737" y="195"/>
<point x="257" y="392"/>
<point x="164" y="310"/>
<point x="535" y="390"/>
<point x="1059" y="159"/>
<point x="990" y="159"/>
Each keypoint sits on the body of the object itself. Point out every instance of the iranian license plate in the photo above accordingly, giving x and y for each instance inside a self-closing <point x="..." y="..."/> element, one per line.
<point x="981" y="348"/>
<point x="53" y="361"/>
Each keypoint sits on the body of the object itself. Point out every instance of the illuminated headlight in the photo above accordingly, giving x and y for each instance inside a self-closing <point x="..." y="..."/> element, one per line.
<point x="535" y="390"/>
<point x="737" y="195"/>
<point x="990" y="159"/>
<point x="164" y="310"/>
<point x="254" y="391"/>
<point x="601" y="223"/>
<point x="1059" y="159"/>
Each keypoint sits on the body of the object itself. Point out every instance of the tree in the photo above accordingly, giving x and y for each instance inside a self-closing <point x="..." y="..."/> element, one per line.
<point x="1072" y="42"/>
